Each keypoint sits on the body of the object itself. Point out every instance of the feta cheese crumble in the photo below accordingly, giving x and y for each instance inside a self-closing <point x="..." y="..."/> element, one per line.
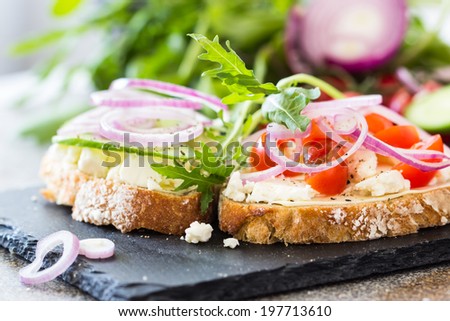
<point x="92" y="161"/>
<point x="361" y="165"/>
<point x="236" y="190"/>
<point x="230" y="242"/>
<point x="198" y="232"/>
<point x="443" y="176"/>
<point x="389" y="182"/>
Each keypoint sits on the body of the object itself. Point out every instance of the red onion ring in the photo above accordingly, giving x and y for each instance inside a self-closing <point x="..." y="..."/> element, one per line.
<point x="380" y="147"/>
<point x="85" y="123"/>
<point x="97" y="248"/>
<point x="423" y="154"/>
<point x="31" y="274"/>
<point x="344" y="124"/>
<point x="171" y="90"/>
<point x="126" y="98"/>
<point x="399" y="120"/>
<point x="332" y="134"/>
<point x="276" y="156"/>
<point x="281" y="132"/>
<point x="75" y="130"/>
<point x="109" y="127"/>
<point x="351" y="102"/>
<point x="326" y="23"/>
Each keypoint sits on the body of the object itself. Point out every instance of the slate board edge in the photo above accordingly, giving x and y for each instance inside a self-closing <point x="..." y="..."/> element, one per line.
<point x="286" y="278"/>
<point x="267" y="282"/>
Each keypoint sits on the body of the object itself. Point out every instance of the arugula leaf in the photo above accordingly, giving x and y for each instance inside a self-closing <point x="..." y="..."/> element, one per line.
<point x="241" y="81"/>
<point x="204" y="184"/>
<point x="282" y="104"/>
<point x="285" y="107"/>
<point x="182" y="153"/>
<point x="214" y="160"/>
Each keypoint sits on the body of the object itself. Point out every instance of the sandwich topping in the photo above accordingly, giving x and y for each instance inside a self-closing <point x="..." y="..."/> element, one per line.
<point x="346" y="147"/>
<point x="281" y="145"/>
<point x="392" y="159"/>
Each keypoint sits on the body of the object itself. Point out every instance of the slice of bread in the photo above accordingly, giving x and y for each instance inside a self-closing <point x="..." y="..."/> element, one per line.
<point x="334" y="222"/>
<point x="102" y="201"/>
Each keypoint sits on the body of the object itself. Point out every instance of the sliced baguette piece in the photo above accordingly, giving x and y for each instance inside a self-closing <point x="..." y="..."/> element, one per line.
<point x="334" y="223"/>
<point x="101" y="201"/>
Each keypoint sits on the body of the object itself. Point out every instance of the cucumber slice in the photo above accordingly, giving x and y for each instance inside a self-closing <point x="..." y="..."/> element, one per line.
<point x="432" y="112"/>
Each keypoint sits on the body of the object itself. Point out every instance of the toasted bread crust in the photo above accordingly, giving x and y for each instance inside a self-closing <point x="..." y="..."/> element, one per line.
<point x="105" y="202"/>
<point x="265" y="224"/>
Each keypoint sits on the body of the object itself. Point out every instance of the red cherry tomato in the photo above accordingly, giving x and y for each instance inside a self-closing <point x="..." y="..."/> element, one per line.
<point x="377" y="123"/>
<point x="261" y="161"/>
<point x="427" y="88"/>
<point x="431" y="86"/>
<point x="400" y="100"/>
<point x="331" y="181"/>
<point x="315" y="135"/>
<point x="399" y="136"/>
<point x="416" y="176"/>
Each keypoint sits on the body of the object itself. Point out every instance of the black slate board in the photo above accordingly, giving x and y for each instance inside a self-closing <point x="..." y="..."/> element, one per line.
<point x="151" y="266"/>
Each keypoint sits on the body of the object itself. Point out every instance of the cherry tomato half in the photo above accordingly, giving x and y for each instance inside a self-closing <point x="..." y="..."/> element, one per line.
<point x="331" y="181"/>
<point x="417" y="177"/>
<point x="399" y="136"/>
<point x="377" y="123"/>
<point x="261" y="161"/>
